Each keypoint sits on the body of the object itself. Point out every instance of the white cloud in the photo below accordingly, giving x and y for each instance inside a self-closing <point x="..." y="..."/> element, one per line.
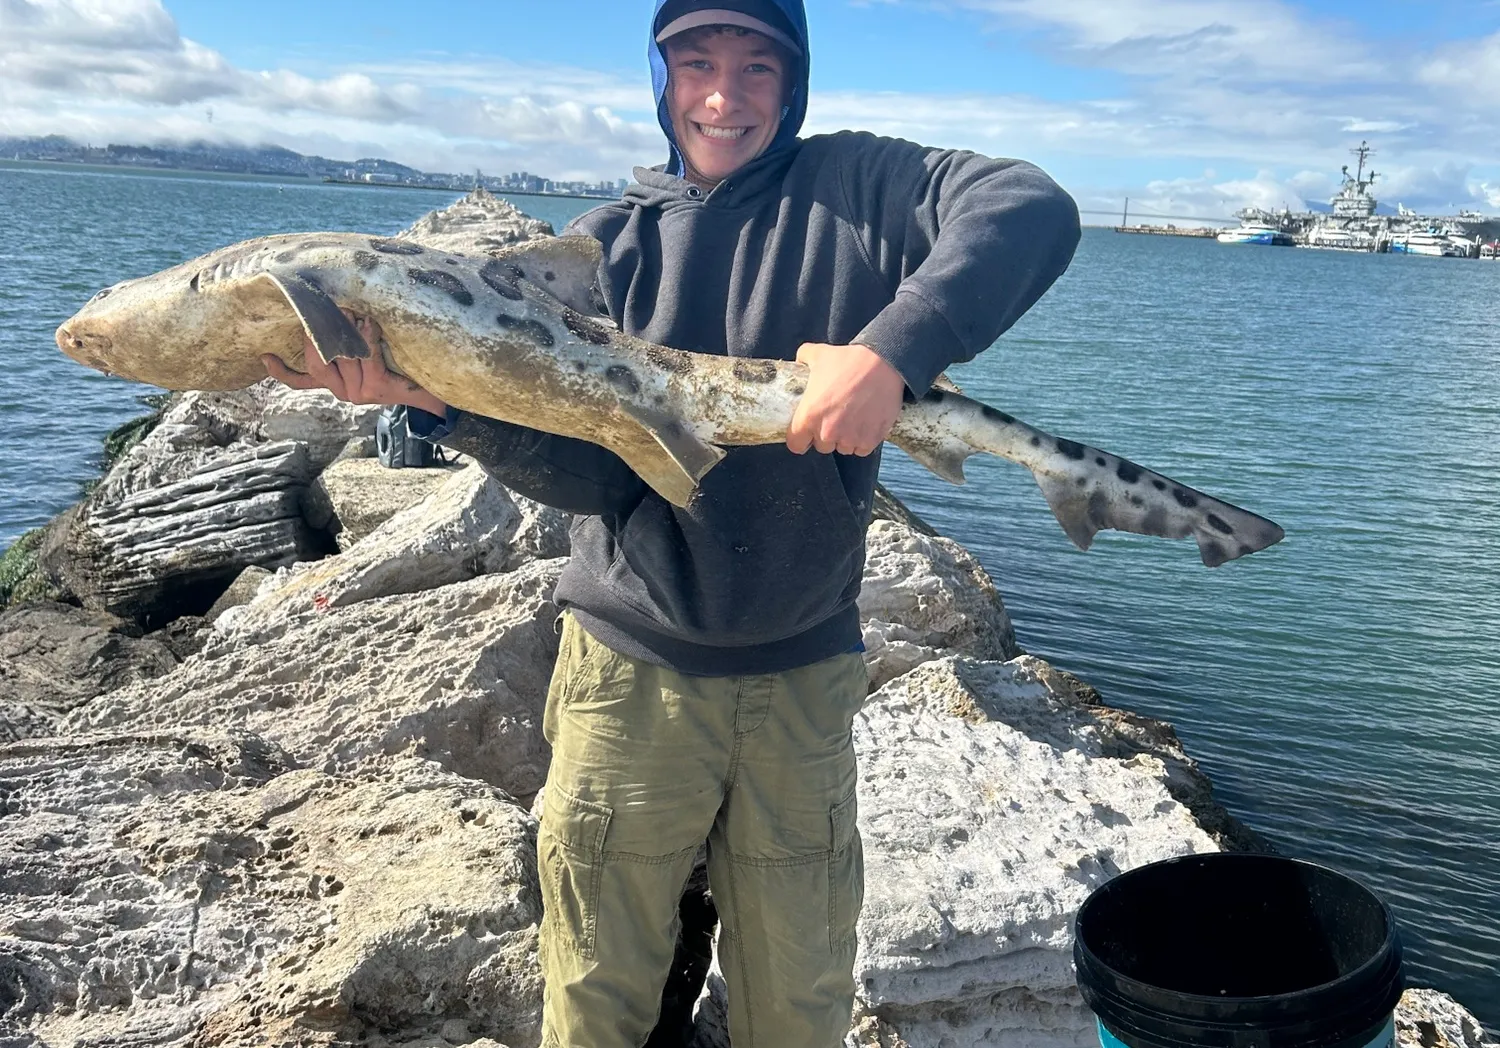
<point x="119" y="70"/>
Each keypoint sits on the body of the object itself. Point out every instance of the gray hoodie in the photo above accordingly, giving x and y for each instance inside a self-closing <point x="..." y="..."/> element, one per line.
<point x="924" y="255"/>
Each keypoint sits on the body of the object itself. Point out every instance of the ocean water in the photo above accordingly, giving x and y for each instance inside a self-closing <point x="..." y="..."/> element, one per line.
<point x="1341" y="688"/>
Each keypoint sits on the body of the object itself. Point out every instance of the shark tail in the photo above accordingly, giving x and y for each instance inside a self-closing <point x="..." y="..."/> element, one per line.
<point x="1088" y="490"/>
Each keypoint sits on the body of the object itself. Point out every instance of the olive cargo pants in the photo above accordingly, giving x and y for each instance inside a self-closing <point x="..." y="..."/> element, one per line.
<point x="646" y="764"/>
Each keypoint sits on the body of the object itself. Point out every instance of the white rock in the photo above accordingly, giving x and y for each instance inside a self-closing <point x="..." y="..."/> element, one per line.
<point x="457" y="675"/>
<point x="1429" y="1019"/>
<point x="189" y="888"/>
<point x="470" y="526"/>
<point x="924" y="597"/>
<point x="478" y="224"/>
<point x="354" y="496"/>
<point x="989" y="810"/>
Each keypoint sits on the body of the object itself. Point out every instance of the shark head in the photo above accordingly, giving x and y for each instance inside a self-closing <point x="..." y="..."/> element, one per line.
<point x="179" y="328"/>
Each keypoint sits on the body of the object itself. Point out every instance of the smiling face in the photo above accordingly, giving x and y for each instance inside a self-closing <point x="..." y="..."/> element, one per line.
<point x="725" y="91"/>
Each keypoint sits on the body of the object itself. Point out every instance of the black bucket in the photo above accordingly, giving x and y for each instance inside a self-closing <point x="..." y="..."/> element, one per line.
<point x="1238" y="951"/>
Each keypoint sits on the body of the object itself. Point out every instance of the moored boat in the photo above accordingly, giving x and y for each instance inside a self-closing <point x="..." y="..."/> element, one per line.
<point x="1255" y="233"/>
<point x="1428" y="242"/>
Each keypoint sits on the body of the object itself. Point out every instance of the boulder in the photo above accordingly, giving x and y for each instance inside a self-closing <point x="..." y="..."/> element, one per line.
<point x="1429" y="1019"/>
<point x="456" y="675"/>
<point x="240" y="592"/>
<point x="479" y="224"/>
<point x="54" y="657"/>
<point x="924" y="597"/>
<point x="196" y="888"/>
<point x="991" y="802"/>
<point x="470" y="526"/>
<point x="354" y="496"/>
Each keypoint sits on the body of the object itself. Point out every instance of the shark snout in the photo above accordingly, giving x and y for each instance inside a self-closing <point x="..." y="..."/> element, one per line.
<point x="83" y="346"/>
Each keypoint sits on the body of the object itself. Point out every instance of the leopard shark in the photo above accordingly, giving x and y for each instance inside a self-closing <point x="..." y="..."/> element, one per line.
<point x="516" y="336"/>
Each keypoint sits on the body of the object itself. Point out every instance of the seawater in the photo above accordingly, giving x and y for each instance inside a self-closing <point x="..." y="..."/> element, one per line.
<point x="1340" y="688"/>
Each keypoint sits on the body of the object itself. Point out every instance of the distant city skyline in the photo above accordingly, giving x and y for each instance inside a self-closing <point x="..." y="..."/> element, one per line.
<point x="1184" y="106"/>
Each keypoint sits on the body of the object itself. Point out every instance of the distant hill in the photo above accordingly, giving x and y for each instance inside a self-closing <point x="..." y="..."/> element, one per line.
<point x="276" y="161"/>
<point x="209" y="156"/>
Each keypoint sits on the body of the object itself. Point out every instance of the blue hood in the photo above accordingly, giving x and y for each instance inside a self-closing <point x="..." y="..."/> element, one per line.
<point x="792" y="114"/>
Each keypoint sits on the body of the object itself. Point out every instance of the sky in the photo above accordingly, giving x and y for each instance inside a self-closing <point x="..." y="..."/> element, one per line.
<point x="1186" y="107"/>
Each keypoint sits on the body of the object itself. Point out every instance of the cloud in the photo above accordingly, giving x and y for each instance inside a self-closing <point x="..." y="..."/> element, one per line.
<point x="119" y="70"/>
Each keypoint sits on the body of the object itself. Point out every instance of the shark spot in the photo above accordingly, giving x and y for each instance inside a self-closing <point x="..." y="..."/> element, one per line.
<point x="1246" y="550"/>
<point x="1155" y="522"/>
<point x="796" y="387"/>
<point x="991" y="413"/>
<point x="585" y="329"/>
<point x="1129" y="472"/>
<point x="623" y="379"/>
<point x="1219" y="524"/>
<point x="1036" y="442"/>
<point x="1099" y="460"/>
<point x="1137" y="501"/>
<point x="579" y="366"/>
<point x="450" y="261"/>
<point x="757" y="371"/>
<point x="670" y="359"/>
<point x="285" y="256"/>
<point x="366" y="261"/>
<point x="1159" y="485"/>
<point x="1213" y="554"/>
<point x="1070" y="448"/>
<point x="531" y="330"/>
<point x="502" y="278"/>
<point x="1185" y="499"/>
<point x="549" y="276"/>
<point x="1081" y="481"/>
<point x="933" y="396"/>
<point x="443" y="281"/>
<point x="390" y="246"/>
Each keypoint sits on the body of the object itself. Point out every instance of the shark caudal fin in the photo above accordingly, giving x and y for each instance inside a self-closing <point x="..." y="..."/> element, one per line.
<point x="1087" y="489"/>
<point x="1223" y="531"/>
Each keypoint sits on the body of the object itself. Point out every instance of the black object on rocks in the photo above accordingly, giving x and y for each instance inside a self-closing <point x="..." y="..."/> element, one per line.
<point x="395" y="446"/>
<point x="1238" y="951"/>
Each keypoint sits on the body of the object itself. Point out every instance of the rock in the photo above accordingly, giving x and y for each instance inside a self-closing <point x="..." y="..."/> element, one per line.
<point x="470" y="526"/>
<point x="887" y="506"/>
<point x="240" y="592"/>
<point x="1429" y="1019"/>
<point x="456" y="675"/>
<point x="990" y="806"/>
<point x="54" y="657"/>
<point x="354" y="496"/>
<point x="314" y="417"/>
<point x="194" y="888"/>
<point x="924" y="597"/>
<point x="479" y="224"/>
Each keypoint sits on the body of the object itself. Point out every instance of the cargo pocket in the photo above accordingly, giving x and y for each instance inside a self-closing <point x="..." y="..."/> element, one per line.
<point x="570" y="852"/>
<point x="846" y="875"/>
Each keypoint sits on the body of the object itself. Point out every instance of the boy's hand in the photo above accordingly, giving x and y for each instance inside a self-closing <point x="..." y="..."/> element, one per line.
<point x="852" y="400"/>
<point x="366" y="381"/>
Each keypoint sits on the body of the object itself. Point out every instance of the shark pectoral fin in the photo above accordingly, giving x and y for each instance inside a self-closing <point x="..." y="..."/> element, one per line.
<point x="679" y="460"/>
<point x="564" y="267"/>
<point x="330" y="332"/>
<point x="944" y="456"/>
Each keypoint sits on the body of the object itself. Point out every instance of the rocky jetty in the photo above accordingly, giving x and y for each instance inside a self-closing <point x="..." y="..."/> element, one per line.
<point x="269" y="763"/>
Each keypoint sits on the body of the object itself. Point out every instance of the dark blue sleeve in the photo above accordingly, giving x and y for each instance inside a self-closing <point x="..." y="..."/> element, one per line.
<point x="572" y="475"/>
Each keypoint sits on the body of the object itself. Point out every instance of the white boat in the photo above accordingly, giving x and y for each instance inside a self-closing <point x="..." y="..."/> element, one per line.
<point x="1490" y="250"/>
<point x="1430" y="242"/>
<point x="1255" y="233"/>
<point x="1331" y="238"/>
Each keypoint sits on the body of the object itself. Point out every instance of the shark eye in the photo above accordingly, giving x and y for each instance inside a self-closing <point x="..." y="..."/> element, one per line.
<point x="101" y="294"/>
